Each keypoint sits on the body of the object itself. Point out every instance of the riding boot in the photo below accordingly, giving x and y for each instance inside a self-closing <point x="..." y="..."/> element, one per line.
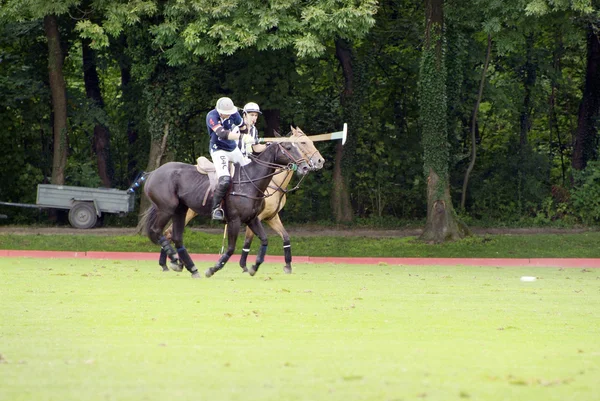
<point x="218" y="195"/>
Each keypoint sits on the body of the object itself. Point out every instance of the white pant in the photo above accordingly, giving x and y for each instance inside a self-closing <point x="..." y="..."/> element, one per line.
<point x="222" y="159"/>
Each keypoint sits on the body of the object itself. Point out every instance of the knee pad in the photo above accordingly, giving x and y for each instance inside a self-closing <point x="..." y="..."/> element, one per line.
<point x="224" y="181"/>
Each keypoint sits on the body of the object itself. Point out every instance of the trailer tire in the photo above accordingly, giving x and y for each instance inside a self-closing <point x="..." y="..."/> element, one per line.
<point x="83" y="215"/>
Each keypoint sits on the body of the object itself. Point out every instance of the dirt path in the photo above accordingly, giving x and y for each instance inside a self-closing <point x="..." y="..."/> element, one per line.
<point x="300" y="231"/>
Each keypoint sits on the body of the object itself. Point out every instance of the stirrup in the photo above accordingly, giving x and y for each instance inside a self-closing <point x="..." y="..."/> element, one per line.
<point x="218" y="214"/>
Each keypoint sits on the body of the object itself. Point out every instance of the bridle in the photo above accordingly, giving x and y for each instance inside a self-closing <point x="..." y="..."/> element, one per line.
<point x="290" y="167"/>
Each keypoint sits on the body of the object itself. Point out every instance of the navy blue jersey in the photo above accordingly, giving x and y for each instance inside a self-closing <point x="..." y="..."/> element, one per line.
<point x="213" y="120"/>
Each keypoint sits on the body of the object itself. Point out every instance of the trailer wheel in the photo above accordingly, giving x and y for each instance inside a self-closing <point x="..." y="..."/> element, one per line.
<point x="83" y="215"/>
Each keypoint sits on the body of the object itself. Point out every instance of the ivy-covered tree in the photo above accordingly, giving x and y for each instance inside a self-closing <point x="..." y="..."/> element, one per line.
<point x="442" y="224"/>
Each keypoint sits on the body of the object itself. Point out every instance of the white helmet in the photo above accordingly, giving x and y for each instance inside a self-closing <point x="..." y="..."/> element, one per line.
<point x="252" y="108"/>
<point x="225" y="106"/>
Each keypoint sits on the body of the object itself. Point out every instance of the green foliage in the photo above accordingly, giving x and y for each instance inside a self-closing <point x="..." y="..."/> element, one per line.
<point x="175" y="59"/>
<point x="542" y="7"/>
<point x="82" y="174"/>
<point x="20" y="10"/>
<point x="25" y="154"/>
<point x="207" y="29"/>
<point x="509" y="184"/>
<point x="585" y="194"/>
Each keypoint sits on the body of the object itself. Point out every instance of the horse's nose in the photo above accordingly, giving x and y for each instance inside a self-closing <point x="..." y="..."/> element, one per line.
<point x="304" y="168"/>
<point x="319" y="163"/>
<point x="316" y="163"/>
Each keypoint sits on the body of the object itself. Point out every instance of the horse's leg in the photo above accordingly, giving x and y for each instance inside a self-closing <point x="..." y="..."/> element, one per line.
<point x="177" y="238"/>
<point x="155" y="235"/>
<point x="188" y="216"/>
<point x="246" y="249"/>
<point x="258" y="229"/>
<point x="162" y="260"/>
<point x="168" y="234"/>
<point x="233" y="229"/>
<point x="276" y="224"/>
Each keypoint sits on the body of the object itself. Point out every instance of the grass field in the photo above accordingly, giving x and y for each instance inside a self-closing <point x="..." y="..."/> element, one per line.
<point x="582" y="245"/>
<point x="109" y="330"/>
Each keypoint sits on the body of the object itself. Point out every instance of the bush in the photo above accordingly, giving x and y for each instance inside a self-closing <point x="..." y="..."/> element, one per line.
<point x="585" y="196"/>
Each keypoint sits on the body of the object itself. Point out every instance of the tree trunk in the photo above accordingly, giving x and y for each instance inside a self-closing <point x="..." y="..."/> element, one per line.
<point x="589" y="108"/>
<point x="341" y="206"/>
<point x="442" y="223"/>
<point x="59" y="100"/>
<point x="101" y="143"/>
<point x="463" y="199"/>
<point x="528" y="83"/>
<point x="272" y="122"/>
<point x="553" y="124"/>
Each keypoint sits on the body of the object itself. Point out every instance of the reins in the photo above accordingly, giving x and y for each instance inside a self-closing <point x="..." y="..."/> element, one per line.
<point x="290" y="167"/>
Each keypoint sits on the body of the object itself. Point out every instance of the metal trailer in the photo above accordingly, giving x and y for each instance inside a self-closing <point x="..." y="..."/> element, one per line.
<point x="85" y="205"/>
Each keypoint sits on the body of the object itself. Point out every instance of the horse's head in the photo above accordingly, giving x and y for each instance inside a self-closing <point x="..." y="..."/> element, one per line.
<point x="308" y="149"/>
<point x="288" y="153"/>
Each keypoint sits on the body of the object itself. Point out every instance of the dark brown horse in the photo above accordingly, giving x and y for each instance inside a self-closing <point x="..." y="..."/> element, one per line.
<point x="174" y="188"/>
<point x="275" y="199"/>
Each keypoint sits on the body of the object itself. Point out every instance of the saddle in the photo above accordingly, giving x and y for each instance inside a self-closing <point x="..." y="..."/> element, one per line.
<point x="205" y="166"/>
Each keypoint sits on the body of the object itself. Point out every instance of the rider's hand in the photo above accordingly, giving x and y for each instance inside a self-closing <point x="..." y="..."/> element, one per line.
<point x="248" y="139"/>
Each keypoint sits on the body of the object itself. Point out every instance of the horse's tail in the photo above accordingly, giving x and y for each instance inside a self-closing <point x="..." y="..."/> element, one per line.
<point x="147" y="220"/>
<point x="138" y="182"/>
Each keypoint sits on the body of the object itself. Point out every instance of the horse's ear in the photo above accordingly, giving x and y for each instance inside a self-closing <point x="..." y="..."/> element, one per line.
<point x="276" y="134"/>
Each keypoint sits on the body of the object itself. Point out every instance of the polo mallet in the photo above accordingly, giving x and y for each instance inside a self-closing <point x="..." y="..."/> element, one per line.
<point x="223" y="243"/>
<point x="315" y="138"/>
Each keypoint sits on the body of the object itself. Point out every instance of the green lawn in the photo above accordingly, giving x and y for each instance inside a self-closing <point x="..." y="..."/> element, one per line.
<point x="108" y="330"/>
<point x="584" y="245"/>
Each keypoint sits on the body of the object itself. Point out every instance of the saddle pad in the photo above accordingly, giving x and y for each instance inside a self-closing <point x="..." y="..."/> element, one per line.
<point x="205" y="166"/>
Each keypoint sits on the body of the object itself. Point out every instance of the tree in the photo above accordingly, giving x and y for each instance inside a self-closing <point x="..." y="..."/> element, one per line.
<point x="15" y="10"/>
<point x="340" y="196"/>
<point x="59" y="99"/>
<point x="101" y="143"/>
<point x="186" y="33"/>
<point x="586" y="134"/>
<point x="442" y="224"/>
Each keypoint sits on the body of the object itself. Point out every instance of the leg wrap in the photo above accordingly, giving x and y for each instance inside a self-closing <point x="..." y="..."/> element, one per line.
<point x="244" y="257"/>
<point x="186" y="259"/>
<point x="222" y="260"/>
<point x="262" y="251"/>
<point x="287" y="252"/>
<point x="165" y="244"/>
<point x="162" y="260"/>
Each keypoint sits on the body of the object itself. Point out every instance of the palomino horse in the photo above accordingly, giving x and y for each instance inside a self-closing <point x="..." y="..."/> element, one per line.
<point x="174" y="188"/>
<point x="275" y="199"/>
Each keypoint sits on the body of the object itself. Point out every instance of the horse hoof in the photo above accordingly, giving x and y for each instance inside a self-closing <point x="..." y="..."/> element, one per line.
<point x="196" y="274"/>
<point x="244" y="269"/>
<point x="165" y="268"/>
<point x="176" y="266"/>
<point x="252" y="271"/>
<point x="208" y="273"/>
<point x="287" y="269"/>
